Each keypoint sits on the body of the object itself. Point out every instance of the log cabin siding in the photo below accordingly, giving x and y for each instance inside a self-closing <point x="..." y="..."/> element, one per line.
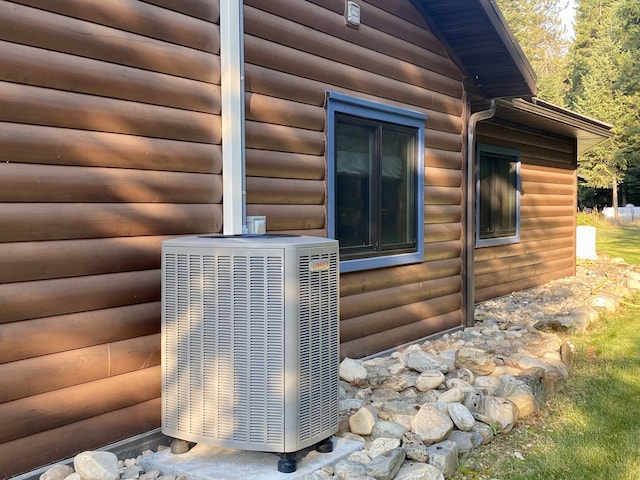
<point x="109" y="144"/>
<point x="65" y="369"/>
<point x="21" y="261"/>
<point x="35" y="27"/>
<point x="63" y="406"/>
<point x="294" y="53"/>
<point x="38" y="449"/>
<point x="47" y="335"/>
<point x="546" y="249"/>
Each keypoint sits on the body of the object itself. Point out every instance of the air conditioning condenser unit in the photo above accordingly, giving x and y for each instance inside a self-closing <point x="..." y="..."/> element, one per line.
<point x="250" y="342"/>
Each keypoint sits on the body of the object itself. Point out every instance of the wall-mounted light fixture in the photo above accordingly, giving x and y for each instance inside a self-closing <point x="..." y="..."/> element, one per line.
<point x="352" y="14"/>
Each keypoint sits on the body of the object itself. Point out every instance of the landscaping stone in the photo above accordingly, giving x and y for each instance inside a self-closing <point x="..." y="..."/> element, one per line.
<point x="421" y="361"/>
<point x="412" y="443"/>
<point x="487" y="384"/>
<point x="385" y="395"/>
<point x="460" y="384"/>
<point x="178" y="447"/>
<point x="452" y="395"/>
<point x="444" y="456"/>
<point x="400" y="406"/>
<point x="361" y="456"/>
<point x="362" y="422"/>
<point x="400" y="419"/>
<point x="461" y="416"/>
<point x="463" y="374"/>
<point x="386" y="465"/>
<point x="466" y="441"/>
<point x="479" y="361"/>
<point x="57" y="472"/>
<point x="634" y="283"/>
<point x="398" y="383"/>
<point x="501" y="410"/>
<point x="345" y="468"/>
<point x="96" y="465"/>
<point x="386" y="429"/>
<point x="419" y="472"/>
<point x="519" y="393"/>
<point x="130" y="473"/>
<point x="352" y="371"/>
<point x="485" y="431"/>
<point x="348" y="405"/>
<point x="567" y="353"/>
<point x="580" y="318"/>
<point x="429" y="379"/>
<point x="606" y="302"/>
<point x="151" y="475"/>
<point x="534" y="379"/>
<point x="382" y="445"/>
<point x="431" y="424"/>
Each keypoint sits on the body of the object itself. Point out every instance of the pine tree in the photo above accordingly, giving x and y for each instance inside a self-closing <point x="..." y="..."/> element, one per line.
<point x="537" y="27"/>
<point x="600" y="88"/>
<point x="628" y="18"/>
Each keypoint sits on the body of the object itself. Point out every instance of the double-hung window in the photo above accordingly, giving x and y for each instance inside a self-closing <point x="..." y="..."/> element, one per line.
<point x="375" y="182"/>
<point x="497" y="196"/>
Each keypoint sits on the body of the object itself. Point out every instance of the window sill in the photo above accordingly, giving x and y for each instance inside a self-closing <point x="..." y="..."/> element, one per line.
<point x="494" y="242"/>
<point x="361" y="264"/>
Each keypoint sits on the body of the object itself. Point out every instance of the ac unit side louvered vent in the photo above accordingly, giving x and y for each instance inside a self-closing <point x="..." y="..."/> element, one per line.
<point x="250" y="341"/>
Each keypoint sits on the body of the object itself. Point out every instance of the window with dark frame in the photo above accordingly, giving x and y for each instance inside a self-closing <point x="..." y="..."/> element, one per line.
<point x="498" y="196"/>
<point x="375" y="185"/>
<point x="375" y="182"/>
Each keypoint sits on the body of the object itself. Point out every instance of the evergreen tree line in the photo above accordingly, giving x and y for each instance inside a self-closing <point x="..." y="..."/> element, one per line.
<point x="595" y="72"/>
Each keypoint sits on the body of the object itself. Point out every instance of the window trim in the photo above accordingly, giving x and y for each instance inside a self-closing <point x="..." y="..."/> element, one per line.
<point x="338" y="103"/>
<point x="496" y="241"/>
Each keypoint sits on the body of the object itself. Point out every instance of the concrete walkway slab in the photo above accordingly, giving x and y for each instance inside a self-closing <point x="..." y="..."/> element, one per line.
<point x="206" y="462"/>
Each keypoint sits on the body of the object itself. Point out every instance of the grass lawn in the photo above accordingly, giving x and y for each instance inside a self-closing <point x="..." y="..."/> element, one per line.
<point x="623" y="241"/>
<point x="593" y="425"/>
<point x="590" y="429"/>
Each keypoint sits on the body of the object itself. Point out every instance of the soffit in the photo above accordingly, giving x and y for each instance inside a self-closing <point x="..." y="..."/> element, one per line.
<point x="480" y="40"/>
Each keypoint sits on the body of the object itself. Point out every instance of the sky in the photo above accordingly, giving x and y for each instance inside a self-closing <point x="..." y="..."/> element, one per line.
<point x="567" y="16"/>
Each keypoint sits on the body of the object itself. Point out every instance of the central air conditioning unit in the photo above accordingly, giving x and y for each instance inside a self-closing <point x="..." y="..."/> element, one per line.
<point x="250" y="342"/>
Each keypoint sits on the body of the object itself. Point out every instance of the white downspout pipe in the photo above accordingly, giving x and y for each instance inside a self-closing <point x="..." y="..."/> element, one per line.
<point x="469" y="271"/>
<point x="233" y="129"/>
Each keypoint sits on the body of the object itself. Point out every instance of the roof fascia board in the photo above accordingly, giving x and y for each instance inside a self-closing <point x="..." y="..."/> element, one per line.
<point x="561" y="115"/>
<point x="570" y="113"/>
<point x="588" y="132"/>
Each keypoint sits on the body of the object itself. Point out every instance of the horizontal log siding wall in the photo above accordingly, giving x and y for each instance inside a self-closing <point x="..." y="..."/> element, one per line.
<point x="109" y="144"/>
<point x="296" y="51"/>
<point x="546" y="250"/>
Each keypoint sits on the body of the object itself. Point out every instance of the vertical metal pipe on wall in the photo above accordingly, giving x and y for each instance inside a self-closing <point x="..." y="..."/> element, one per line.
<point x="233" y="129"/>
<point x="469" y="238"/>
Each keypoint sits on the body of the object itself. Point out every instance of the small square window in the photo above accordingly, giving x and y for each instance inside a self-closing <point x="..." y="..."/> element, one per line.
<point x="376" y="193"/>
<point x="497" y="196"/>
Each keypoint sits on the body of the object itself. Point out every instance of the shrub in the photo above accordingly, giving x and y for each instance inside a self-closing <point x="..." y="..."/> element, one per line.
<point x="590" y="219"/>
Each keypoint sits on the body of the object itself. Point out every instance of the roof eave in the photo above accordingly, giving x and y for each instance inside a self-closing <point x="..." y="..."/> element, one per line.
<point x="452" y="21"/>
<point x="513" y="47"/>
<point x="587" y="131"/>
